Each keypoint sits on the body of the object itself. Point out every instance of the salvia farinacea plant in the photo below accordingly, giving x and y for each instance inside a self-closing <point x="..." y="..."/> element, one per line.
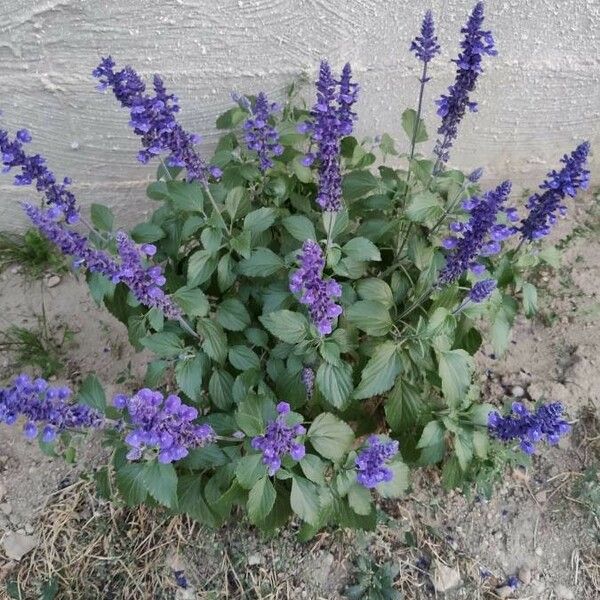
<point x="313" y="302"/>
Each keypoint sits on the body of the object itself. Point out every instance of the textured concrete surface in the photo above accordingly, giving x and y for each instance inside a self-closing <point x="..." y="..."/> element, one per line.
<point x="538" y="98"/>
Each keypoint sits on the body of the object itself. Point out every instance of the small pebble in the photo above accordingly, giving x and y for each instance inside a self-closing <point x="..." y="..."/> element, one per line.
<point x="525" y="575"/>
<point x="563" y="592"/>
<point x="504" y="591"/>
<point x="6" y="508"/>
<point x="53" y="281"/>
<point x="518" y="391"/>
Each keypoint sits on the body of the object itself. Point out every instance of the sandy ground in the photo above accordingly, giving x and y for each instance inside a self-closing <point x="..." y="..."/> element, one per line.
<point x="535" y="526"/>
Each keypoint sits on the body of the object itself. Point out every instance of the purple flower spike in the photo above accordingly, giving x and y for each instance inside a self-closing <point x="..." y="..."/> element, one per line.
<point x="331" y="119"/>
<point x="425" y="46"/>
<point x="452" y="107"/>
<point x="44" y="406"/>
<point x="34" y="170"/>
<point x="261" y="136"/>
<point x="163" y="425"/>
<point x="560" y="184"/>
<point x="317" y="293"/>
<point x="307" y="376"/>
<point x="480" y="235"/>
<point x="153" y="118"/>
<point x="546" y="423"/>
<point x="371" y="469"/>
<point x="145" y="282"/>
<point x="481" y="290"/>
<point x="280" y="439"/>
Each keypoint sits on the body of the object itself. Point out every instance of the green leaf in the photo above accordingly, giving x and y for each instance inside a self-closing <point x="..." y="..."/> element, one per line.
<point x="164" y="344"/>
<point x="313" y="468"/>
<point x="190" y="496"/>
<point x="358" y="183"/>
<point x="286" y="325"/>
<point x="144" y="233"/>
<point x="205" y="458"/>
<point x="130" y="483"/>
<point x="330" y="437"/>
<point x="252" y="414"/>
<point x="502" y="321"/>
<point x="300" y="227"/>
<point x="530" y="299"/>
<point x="259" y="220"/>
<point x="261" y="499"/>
<point x="92" y="394"/>
<point x="220" y="389"/>
<point x="262" y="263"/>
<point x="160" y="480"/>
<point x="232" y="315"/>
<point x="102" y="217"/>
<point x="231" y="118"/>
<point x="433" y="435"/>
<point x="454" y="369"/>
<point x="193" y="301"/>
<point x="201" y="266"/>
<point x="303" y="173"/>
<point x="463" y="447"/>
<point x="370" y="316"/>
<point x="424" y="207"/>
<point x="215" y="340"/>
<point x="361" y="248"/>
<point x="242" y="244"/>
<point x="359" y="499"/>
<point x="188" y="374"/>
<point x="386" y="145"/>
<point x="409" y="124"/>
<point x="155" y="372"/>
<point x="304" y="500"/>
<point x="375" y="289"/>
<point x="243" y="358"/>
<point x="335" y="383"/>
<point x="249" y="469"/>
<point x="399" y="483"/>
<point x="225" y="274"/>
<point x="186" y="196"/>
<point x="551" y="256"/>
<point x="211" y="238"/>
<point x="380" y="372"/>
<point x="404" y="406"/>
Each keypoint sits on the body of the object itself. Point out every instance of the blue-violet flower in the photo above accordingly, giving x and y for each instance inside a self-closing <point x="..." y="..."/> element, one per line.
<point x="261" y="136"/>
<point x="371" y="469"/>
<point x="425" y="46"/>
<point x="317" y="293"/>
<point x="481" y="290"/>
<point x="280" y="439"/>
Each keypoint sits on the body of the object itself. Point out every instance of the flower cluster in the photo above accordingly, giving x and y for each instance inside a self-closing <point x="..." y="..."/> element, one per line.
<point x="145" y="282"/>
<point x="307" y="376"/>
<point x="72" y="243"/>
<point x="481" y="290"/>
<point x="332" y="118"/>
<point x="34" y="169"/>
<point x="154" y="119"/>
<point x="425" y="46"/>
<point x="546" y="422"/>
<point x="260" y="135"/>
<point x="45" y="407"/>
<point x="481" y="235"/>
<point x="543" y="207"/>
<point x="280" y="439"/>
<point x="163" y="424"/>
<point x="317" y="293"/>
<point x="371" y="469"/>
<point x="452" y="107"/>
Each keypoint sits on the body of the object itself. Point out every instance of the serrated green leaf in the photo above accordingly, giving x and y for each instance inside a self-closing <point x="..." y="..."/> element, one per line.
<point x="261" y="499"/>
<point x="359" y="499"/>
<point x="154" y="373"/>
<point x="410" y="123"/>
<point x="92" y="394"/>
<point x="300" y="227"/>
<point x="424" y="207"/>
<point x="243" y="358"/>
<point x="102" y="217"/>
<point x="455" y="369"/>
<point x="262" y="263"/>
<point x="375" y="289"/>
<point x="358" y="183"/>
<point x="249" y="469"/>
<point x="302" y="172"/>
<point x="380" y="372"/>
<point x="190" y="496"/>
<point x="233" y="315"/>
<point x="530" y="299"/>
<point x="160" y="480"/>
<point x="193" y="301"/>
<point x="220" y="386"/>
<point x="362" y="249"/>
<point x="259" y="220"/>
<point x="201" y="265"/>
<point x="164" y="344"/>
<point x="304" y="500"/>
<point x="130" y="483"/>
<point x="403" y="406"/>
<point x="399" y="482"/>
<point x="186" y="196"/>
<point x="335" y="383"/>
<point x="330" y="437"/>
<point x="188" y="374"/>
<point x="286" y="325"/>
<point x="215" y="340"/>
<point x="313" y="468"/>
<point x="370" y="316"/>
<point x="144" y="233"/>
<point x="433" y="435"/>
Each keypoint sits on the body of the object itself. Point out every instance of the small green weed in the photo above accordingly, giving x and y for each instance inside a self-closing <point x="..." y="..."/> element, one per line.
<point x="373" y="582"/>
<point x="33" y="252"/>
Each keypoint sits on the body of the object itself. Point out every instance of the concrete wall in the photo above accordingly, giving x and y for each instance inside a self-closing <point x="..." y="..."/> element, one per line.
<point x="538" y="98"/>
